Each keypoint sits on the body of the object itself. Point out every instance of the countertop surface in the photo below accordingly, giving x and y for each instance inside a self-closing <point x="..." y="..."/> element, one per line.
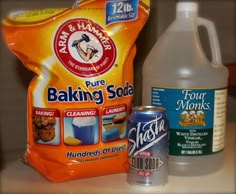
<point x="17" y="177"/>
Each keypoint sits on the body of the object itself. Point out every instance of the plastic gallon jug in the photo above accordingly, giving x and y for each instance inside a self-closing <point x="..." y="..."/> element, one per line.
<point x="178" y="76"/>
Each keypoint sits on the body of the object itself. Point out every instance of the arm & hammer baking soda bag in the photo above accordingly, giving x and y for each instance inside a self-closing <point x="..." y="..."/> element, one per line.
<point x="79" y="99"/>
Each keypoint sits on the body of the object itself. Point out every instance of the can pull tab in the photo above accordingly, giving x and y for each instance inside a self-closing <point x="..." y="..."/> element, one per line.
<point x="214" y="41"/>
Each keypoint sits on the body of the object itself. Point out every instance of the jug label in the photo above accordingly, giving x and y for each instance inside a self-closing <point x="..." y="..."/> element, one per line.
<point x="197" y="119"/>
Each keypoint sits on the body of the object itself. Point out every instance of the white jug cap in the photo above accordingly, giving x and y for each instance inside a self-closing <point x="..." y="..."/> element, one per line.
<point x="187" y="7"/>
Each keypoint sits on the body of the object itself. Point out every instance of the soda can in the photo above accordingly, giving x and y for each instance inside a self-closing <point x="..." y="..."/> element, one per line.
<point x="148" y="146"/>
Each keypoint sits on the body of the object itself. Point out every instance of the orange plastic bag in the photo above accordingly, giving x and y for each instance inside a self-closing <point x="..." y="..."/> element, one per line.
<point x="79" y="100"/>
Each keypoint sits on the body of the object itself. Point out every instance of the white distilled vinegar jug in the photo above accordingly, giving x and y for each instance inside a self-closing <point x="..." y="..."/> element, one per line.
<point x="177" y="75"/>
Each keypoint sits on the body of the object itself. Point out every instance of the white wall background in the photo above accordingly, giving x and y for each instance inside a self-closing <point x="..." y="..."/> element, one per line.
<point x="14" y="78"/>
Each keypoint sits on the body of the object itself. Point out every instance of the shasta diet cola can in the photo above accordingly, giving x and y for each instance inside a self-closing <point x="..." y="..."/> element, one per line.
<point x="148" y="146"/>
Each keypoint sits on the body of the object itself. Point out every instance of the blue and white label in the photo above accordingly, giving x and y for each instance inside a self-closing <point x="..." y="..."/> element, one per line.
<point x="182" y="104"/>
<point x="197" y="119"/>
<point x="144" y="136"/>
<point x="119" y="11"/>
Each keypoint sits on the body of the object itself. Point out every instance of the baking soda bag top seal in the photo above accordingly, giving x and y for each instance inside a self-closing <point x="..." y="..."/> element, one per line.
<point x="83" y="87"/>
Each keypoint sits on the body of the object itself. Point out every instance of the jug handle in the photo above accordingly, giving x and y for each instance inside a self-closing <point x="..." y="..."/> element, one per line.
<point x="214" y="41"/>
